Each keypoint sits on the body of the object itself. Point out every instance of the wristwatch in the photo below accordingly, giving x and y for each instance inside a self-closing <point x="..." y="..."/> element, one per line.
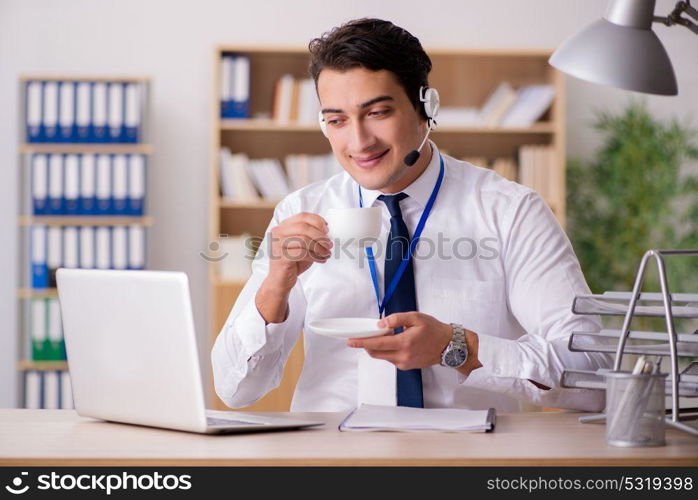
<point x="456" y="352"/>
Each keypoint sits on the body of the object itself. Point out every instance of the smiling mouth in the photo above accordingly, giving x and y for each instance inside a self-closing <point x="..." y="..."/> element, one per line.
<point x="369" y="161"/>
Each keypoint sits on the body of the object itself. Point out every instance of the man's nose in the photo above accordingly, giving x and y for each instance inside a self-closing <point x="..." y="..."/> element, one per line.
<point x="362" y="137"/>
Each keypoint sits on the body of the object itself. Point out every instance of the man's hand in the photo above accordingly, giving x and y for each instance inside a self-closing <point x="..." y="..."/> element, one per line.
<point x="420" y="344"/>
<point x="296" y="244"/>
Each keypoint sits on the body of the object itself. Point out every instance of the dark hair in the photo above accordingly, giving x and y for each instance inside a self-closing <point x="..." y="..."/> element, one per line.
<point x="373" y="44"/>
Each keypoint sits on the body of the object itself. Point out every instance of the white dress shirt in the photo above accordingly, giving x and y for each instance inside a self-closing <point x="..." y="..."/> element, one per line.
<point x="492" y="257"/>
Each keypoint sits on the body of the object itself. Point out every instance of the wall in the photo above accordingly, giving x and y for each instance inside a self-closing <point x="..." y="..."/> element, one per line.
<point x="172" y="42"/>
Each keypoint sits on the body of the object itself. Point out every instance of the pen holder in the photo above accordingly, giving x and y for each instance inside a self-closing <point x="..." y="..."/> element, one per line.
<point x="635" y="409"/>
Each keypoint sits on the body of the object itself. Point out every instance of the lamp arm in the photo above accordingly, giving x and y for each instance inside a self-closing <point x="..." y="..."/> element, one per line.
<point x="675" y="16"/>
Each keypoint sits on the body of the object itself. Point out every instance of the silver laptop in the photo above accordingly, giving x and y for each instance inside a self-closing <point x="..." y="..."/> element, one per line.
<point x="132" y="353"/>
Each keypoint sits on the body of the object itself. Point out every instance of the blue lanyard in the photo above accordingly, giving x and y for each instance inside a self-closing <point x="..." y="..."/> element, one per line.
<point x="413" y="244"/>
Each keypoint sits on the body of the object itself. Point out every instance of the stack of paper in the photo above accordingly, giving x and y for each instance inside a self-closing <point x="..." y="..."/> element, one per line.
<point x="402" y="418"/>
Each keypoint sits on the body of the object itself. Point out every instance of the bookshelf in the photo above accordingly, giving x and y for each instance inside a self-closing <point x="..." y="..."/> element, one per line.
<point x="464" y="78"/>
<point x="90" y="232"/>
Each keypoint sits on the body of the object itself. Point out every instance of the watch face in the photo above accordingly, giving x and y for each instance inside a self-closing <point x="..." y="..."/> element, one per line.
<point x="455" y="357"/>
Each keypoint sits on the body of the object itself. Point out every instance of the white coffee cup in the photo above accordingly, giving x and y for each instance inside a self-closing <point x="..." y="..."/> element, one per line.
<point x="354" y="226"/>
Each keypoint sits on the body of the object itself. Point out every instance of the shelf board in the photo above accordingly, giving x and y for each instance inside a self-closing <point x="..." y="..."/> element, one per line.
<point x="28" y="365"/>
<point x="77" y="220"/>
<point x="265" y="125"/>
<point x="219" y="282"/>
<point x="261" y="204"/>
<point x="36" y="293"/>
<point x="57" y="148"/>
<point x="543" y="52"/>
<point x="86" y="78"/>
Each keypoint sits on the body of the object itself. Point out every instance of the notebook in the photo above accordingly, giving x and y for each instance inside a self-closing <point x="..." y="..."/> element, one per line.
<point x="405" y="419"/>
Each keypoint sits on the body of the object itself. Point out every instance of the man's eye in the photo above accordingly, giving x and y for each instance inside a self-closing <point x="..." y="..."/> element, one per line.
<point x="334" y="122"/>
<point x="380" y="112"/>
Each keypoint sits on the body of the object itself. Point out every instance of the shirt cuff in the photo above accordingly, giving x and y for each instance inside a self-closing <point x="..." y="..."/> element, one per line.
<point x="259" y="339"/>
<point x="499" y="358"/>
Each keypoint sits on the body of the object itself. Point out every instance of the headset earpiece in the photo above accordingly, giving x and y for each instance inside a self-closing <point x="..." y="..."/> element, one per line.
<point x="431" y="102"/>
<point x="322" y="122"/>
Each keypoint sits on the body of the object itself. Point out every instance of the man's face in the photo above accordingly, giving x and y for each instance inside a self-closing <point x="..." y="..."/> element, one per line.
<point x="371" y="125"/>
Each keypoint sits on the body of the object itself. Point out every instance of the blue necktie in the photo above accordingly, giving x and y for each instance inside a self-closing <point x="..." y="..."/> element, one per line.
<point x="409" y="382"/>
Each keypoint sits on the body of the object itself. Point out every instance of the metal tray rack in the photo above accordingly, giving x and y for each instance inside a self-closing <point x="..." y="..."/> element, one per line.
<point x="660" y="344"/>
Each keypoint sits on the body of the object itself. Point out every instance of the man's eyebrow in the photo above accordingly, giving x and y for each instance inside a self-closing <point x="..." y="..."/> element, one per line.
<point x="364" y="105"/>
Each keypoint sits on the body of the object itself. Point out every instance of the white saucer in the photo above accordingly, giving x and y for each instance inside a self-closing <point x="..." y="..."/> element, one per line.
<point x="348" y="328"/>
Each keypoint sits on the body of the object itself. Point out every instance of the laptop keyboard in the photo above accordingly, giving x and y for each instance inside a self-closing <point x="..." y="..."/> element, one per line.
<point x="215" y="422"/>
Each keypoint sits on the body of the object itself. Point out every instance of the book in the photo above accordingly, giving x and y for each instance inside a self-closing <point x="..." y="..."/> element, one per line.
<point x="403" y="418"/>
<point x="532" y="102"/>
<point x="497" y="104"/>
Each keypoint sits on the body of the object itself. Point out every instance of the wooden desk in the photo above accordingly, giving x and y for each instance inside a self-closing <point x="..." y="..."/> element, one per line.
<point x="61" y="437"/>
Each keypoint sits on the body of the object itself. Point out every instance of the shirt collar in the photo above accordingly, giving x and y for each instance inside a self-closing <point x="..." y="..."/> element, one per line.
<point x="420" y="189"/>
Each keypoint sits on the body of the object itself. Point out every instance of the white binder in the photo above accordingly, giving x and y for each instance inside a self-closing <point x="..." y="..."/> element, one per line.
<point x="55" y="184"/>
<point x="103" y="247"/>
<point x="136" y="184"/>
<point x="99" y="112"/>
<point x="52" y="390"/>
<point x="38" y="325"/>
<point x="116" y="110"/>
<point x="119" y="247"/>
<point x="71" y="244"/>
<point x="51" y="111"/>
<point x="39" y="184"/>
<point x="66" y="392"/>
<point x="87" y="184"/>
<point x="54" y="257"/>
<point x="34" y="111"/>
<point x="83" y="111"/>
<point x="103" y="192"/>
<point x="132" y="118"/>
<point x="87" y="247"/>
<point x="72" y="184"/>
<point x="67" y="111"/>
<point x="32" y="390"/>
<point x="136" y="247"/>
<point x="119" y="184"/>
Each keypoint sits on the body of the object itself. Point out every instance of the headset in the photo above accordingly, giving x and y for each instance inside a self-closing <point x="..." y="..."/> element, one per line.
<point x="429" y="97"/>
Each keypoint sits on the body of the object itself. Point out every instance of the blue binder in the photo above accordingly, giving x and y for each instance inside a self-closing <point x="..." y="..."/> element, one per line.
<point x="241" y="87"/>
<point x="38" y="249"/>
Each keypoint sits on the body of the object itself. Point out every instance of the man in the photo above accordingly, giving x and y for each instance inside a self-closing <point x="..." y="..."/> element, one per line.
<point x="481" y="311"/>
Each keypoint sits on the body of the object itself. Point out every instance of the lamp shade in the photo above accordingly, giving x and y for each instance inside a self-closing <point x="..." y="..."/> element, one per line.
<point x="626" y="57"/>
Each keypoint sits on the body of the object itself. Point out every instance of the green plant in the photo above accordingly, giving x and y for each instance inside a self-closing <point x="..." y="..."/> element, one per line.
<point x="638" y="194"/>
